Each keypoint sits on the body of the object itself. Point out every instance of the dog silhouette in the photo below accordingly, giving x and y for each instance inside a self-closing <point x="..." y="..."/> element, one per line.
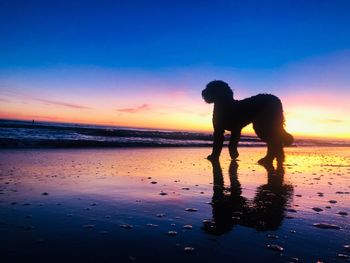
<point x="264" y="111"/>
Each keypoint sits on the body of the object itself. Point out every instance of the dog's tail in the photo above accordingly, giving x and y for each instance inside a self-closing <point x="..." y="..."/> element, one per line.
<point x="287" y="138"/>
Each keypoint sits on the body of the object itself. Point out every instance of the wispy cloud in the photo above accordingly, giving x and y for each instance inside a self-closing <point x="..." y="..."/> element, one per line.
<point x="143" y="107"/>
<point x="334" y="121"/>
<point x="27" y="98"/>
<point x="61" y="103"/>
<point x="4" y="100"/>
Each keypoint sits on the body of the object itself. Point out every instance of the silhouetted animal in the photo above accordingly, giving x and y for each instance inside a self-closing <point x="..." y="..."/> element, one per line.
<point x="263" y="110"/>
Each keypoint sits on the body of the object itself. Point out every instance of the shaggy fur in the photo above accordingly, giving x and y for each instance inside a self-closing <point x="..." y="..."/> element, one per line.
<point x="263" y="110"/>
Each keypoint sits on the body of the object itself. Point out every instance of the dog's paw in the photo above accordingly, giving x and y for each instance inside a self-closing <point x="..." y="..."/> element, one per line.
<point x="265" y="161"/>
<point x="212" y="157"/>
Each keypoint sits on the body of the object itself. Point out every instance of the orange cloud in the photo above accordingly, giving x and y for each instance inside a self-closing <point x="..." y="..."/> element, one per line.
<point x="143" y="107"/>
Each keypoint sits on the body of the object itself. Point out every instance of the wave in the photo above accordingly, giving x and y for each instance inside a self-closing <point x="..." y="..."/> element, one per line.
<point x="22" y="134"/>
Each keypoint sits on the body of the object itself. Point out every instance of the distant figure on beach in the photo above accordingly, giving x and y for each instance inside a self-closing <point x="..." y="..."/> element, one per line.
<point x="263" y="110"/>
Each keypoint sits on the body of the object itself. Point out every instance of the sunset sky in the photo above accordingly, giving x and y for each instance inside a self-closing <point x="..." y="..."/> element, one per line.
<point x="144" y="63"/>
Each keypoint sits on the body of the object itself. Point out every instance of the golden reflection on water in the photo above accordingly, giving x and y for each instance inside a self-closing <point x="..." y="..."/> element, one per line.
<point x="128" y="173"/>
<point x="85" y="192"/>
<point x="109" y="188"/>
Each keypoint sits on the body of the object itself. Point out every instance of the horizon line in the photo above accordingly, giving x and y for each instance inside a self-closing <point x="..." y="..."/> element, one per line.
<point x="298" y="136"/>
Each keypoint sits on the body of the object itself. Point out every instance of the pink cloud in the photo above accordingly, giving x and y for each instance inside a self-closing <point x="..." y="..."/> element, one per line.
<point x="143" y="107"/>
<point x="27" y="98"/>
<point x="60" y="103"/>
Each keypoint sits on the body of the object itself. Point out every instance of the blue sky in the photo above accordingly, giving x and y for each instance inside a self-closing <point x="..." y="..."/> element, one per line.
<point x="163" y="34"/>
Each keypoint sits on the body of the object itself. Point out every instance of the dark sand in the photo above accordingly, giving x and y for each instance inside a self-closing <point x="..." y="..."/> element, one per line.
<point x="160" y="205"/>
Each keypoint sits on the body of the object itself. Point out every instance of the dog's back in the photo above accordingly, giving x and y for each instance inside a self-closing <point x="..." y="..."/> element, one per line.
<point x="265" y="111"/>
<point x="261" y="107"/>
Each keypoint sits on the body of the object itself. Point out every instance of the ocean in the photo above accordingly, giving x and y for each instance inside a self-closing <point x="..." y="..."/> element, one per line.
<point x="28" y="134"/>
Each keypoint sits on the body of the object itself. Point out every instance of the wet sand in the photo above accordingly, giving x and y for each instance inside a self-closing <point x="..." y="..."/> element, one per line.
<point x="172" y="205"/>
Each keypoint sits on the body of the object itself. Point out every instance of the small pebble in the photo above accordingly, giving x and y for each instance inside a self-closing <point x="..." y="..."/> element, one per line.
<point x="326" y="226"/>
<point x="237" y="213"/>
<point x="172" y="233"/>
<point x="272" y="236"/>
<point x="188" y="249"/>
<point x="275" y="247"/>
<point x="45" y="193"/>
<point x="342" y="213"/>
<point x="88" y="226"/>
<point x="332" y="201"/>
<point x="347" y="247"/>
<point x="162" y="193"/>
<point x="343" y="256"/>
<point x="317" y="209"/>
<point x="187" y="227"/>
<point x="126" y="226"/>
<point x="236" y="218"/>
<point x="152" y="225"/>
<point x="191" y="209"/>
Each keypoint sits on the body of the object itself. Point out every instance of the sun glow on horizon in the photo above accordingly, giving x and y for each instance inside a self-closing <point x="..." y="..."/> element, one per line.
<point x="301" y="120"/>
<point x="313" y="107"/>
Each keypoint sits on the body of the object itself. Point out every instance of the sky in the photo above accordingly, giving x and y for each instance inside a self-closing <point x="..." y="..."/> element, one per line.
<point x="144" y="63"/>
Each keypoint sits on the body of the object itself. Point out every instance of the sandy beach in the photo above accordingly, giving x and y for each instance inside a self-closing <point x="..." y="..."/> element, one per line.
<point x="173" y="205"/>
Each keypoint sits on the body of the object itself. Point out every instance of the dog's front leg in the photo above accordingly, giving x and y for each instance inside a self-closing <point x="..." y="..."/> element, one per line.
<point x="235" y="135"/>
<point x="217" y="144"/>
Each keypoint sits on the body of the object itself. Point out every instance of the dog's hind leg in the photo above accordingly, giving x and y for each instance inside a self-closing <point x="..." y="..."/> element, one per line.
<point x="279" y="153"/>
<point x="274" y="150"/>
<point x="270" y="155"/>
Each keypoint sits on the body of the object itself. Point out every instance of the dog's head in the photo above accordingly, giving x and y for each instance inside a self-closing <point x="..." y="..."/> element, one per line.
<point x="217" y="91"/>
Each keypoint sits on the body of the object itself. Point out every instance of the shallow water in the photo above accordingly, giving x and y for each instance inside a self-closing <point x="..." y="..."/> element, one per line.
<point x="154" y="205"/>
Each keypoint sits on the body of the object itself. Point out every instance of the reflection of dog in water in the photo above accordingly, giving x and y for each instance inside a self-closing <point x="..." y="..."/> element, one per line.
<point x="263" y="110"/>
<point x="264" y="212"/>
